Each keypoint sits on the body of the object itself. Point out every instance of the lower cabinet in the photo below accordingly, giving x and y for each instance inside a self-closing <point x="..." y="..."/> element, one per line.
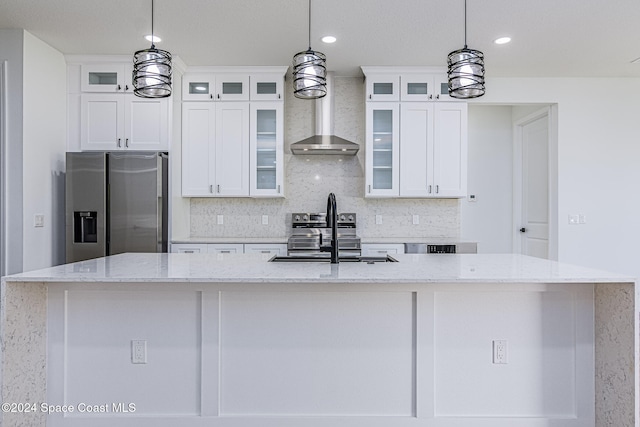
<point x="267" y="249"/>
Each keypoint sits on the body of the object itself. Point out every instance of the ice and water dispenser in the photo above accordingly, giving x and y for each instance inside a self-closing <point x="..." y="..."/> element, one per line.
<point x="85" y="227"/>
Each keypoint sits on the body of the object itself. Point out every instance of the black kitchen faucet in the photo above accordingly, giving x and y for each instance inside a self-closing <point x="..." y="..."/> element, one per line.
<point x="332" y="222"/>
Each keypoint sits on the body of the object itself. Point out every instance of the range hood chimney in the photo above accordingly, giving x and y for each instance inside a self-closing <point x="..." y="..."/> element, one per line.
<point x="324" y="141"/>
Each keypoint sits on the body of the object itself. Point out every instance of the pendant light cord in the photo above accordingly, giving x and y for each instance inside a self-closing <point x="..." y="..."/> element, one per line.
<point x="465" y="24"/>
<point x="309" y="24"/>
<point x="152" y="38"/>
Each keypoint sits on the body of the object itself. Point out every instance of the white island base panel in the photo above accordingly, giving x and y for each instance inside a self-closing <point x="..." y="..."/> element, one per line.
<point x="320" y="355"/>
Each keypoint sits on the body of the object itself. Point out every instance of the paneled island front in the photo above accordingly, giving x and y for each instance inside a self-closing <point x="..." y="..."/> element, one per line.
<point x="226" y="340"/>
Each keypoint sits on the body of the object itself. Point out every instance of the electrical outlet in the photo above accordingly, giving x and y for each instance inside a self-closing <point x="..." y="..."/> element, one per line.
<point x="416" y="219"/>
<point x="574" y="219"/>
<point x="220" y="219"/>
<point x="378" y="219"/>
<point x="500" y="352"/>
<point x="138" y="351"/>
<point x="265" y="219"/>
<point x="471" y="198"/>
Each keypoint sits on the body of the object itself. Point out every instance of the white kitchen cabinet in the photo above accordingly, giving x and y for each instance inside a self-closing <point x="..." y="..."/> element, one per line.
<point x="198" y="86"/>
<point x="266" y="87"/>
<point x="382" y="249"/>
<point x="417" y="146"/>
<point x="189" y="248"/>
<point x="267" y="151"/>
<point x="424" y="87"/>
<point x="433" y="149"/>
<point x="266" y="249"/>
<point x="215" y="149"/>
<point x="232" y="87"/>
<point x="106" y="77"/>
<point x="382" y="153"/>
<point x="383" y="87"/>
<point x="225" y="248"/>
<point x="123" y="121"/>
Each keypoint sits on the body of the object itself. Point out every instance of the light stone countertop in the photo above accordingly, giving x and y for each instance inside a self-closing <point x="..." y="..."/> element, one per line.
<point x="254" y="268"/>
<point x="226" y="240"/>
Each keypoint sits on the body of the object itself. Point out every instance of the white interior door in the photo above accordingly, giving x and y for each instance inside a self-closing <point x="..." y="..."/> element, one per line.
<point x="533" y="141"/>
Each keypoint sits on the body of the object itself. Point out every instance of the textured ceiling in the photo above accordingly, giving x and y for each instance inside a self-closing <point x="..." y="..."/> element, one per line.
<point x="579" y="38"/>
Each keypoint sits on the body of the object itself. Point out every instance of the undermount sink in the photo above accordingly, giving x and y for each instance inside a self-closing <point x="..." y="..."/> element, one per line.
<point x="361" y="258"/>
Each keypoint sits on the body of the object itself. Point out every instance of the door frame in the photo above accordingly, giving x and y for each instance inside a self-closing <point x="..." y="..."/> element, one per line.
<point x="551" y="112"/>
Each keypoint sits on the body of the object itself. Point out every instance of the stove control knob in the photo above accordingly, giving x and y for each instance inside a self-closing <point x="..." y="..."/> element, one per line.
<point x="342" y="218"/>
<point x="297" y="217"/>
<point x="305" y="218"/>
<point x="351" y="218"/>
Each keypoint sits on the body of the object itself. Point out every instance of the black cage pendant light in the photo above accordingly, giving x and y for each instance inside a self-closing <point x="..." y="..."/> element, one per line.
<point x="152" y="70"/>
<point x="309" y="71"/>
<point x="466" y="69"/>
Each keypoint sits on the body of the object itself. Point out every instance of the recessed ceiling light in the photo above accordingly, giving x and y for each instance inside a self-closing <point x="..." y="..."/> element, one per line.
<point x="502" y="40"/>
<point x="153" y="39"/>
<point x="329" y="39"/>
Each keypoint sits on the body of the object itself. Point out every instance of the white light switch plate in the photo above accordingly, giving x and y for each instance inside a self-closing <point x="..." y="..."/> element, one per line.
<point x="265" y="219"/>
<point x="378" y="219"/>
<point x="416" y="219"/>
<point x="220" y="219"/>
<point x="38" y="220"/>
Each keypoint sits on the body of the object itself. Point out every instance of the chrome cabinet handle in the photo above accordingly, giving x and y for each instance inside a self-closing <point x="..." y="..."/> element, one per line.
<point x="437" y="189"/>
<point x="119" y="87"/>
<point x="369" y="188"/>
<point x="278" y="96"/>
<point x="430" y="96"/>
<point x="189" y="252"/>
<point x="211" y="188"/>
<point x="369" y="96"/>
<point x="218" y="96"/>
<point x="225" y="252"/>
<point x="438" y="96"/>
<point x="278" y="188"/>
<point x="429" y="190"/>
<point x="211" y="96"/>
<point x="218" y="186"/>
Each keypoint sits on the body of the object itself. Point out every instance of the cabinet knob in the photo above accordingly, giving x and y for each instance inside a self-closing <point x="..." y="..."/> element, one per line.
<point x="430" y="96"/>
<point x="278" y="96"/>
<point x="119" y="142"/>
<point x="126" y="87"/>
<point x="523" y="230"/>
<point x="438" y="96"/>
<point x="218" y="96"/>
<point x="211" y="96"/>
<point x="119" y="87"/>
<point x="369" y="96"/>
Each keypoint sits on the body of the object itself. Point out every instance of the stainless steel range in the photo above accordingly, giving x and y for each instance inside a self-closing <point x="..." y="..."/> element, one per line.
<point x="310" y="234"/>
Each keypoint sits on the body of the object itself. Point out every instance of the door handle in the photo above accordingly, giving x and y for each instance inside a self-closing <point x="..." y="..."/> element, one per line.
<point x="522" y="230"/>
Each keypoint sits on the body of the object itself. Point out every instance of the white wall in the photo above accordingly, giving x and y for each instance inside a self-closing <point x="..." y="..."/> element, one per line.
<point x="598" y="173"/>
<point x="11" y="51"/>
<point x="488" y="220"/>
<point x="44" y="146"/>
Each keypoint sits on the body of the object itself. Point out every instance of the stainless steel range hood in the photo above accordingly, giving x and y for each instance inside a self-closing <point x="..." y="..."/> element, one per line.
<point x="324" y="141"/>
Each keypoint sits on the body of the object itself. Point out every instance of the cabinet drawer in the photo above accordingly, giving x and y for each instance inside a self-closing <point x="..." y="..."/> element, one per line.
<point x="189" y="248"/>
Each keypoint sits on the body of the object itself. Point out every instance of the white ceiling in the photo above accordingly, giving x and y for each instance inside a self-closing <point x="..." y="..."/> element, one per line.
<point x="550" y="37"/>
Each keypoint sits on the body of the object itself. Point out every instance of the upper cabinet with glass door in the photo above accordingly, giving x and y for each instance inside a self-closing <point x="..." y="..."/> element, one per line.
<point x="421" y="84"/>
<point x="383" y="87"/>
<point x="198" y="86"/>
<point x="266" y="87"/>
<point x="106" y="77"/>
<point x="424" y="87"/>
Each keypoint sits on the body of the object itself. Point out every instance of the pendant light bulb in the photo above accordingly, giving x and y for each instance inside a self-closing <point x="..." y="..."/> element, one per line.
<point x="152" y="71"/>
<point x="309" y="71"/>
<point x="466" y="70"/>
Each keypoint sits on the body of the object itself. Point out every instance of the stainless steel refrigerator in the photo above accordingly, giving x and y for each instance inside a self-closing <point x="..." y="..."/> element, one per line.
<point x="116" y="202"/>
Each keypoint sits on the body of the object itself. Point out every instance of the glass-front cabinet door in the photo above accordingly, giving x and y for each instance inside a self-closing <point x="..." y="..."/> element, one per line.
<point x="423" y="87"/>
<point x="232" y="87"/>
<point x="266" y="142"/>
<point x="266" y="87"/>
<point x="382" y="153"/>
<point x="383" y="87"/>
<point x="198" y="86"/>
<point x="107" y="77"/>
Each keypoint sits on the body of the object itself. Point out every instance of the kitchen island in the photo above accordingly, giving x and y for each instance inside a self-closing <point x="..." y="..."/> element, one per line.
<point x="234" y="340"/>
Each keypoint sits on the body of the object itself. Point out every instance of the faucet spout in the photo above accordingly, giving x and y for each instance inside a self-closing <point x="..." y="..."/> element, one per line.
<point x="332" y="222"/>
